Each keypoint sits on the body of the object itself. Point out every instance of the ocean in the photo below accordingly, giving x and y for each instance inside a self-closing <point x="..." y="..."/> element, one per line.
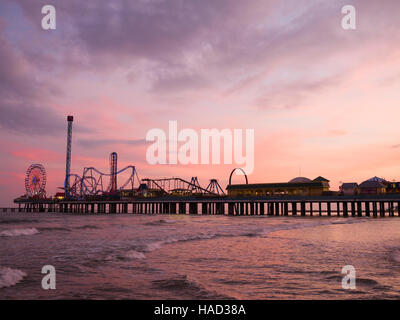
<point x="129" y="256"/>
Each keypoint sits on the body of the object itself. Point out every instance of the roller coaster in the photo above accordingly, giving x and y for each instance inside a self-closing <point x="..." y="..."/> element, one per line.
<point x="94" y="183"/>
<point x="182" y="187"/>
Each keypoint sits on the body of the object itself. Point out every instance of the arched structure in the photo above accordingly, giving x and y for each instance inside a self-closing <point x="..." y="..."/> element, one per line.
<point x="244" y="173"/>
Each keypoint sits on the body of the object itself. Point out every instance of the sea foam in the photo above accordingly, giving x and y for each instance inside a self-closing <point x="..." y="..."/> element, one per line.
<point x="10" y="277"/>
<point x="133" y="254"/>
<point x="19" y="232"/>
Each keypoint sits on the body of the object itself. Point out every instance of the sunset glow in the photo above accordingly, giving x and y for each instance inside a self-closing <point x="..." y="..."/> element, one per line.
<point x="322" y="100"/>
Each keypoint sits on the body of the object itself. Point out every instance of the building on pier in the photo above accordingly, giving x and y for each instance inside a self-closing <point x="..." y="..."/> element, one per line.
<point x="393" y="187"/>
<point x="299" y="186"/>
<point x="349" y="188"/>
<point x="60" y="196"/>
<point x="372" y="187"/>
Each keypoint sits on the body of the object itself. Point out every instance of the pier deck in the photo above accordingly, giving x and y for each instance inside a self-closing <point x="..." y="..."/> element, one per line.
<point x="354" y="206"/>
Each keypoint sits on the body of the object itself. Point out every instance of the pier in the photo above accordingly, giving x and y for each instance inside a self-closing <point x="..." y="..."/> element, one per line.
<point x="97" y="192"/>
<point x="339" y="206"/>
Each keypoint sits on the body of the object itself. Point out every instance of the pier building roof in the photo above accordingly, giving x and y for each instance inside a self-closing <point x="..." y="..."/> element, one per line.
<point x="276" y="185"/>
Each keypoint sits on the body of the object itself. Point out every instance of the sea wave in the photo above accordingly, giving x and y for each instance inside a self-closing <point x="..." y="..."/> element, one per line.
<point x="128" y="255"/>
<point x="396" y="255"/>
<point x="88" y="226"/>
<point x="159" y="222"/>
<point x="10" y="277"/>
<point x="13" y="221"/>
<point x="152" y="246"/>
<point x="139" y="250"/>
<point x="311" y="225"/>
<point x="240" y="232"/>
<point x="19" y="232"/>
<point x="186" y="287"/>
<point x="133" y="254"/>
<point x="53" y="229"/>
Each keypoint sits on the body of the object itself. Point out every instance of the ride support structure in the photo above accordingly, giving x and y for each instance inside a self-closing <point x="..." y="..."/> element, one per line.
<point x="70" y="119"/>
<point x="113" y="172"/>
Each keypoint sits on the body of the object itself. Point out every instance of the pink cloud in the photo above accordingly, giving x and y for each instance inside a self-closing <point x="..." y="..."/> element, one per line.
<point x="321" y="100"/>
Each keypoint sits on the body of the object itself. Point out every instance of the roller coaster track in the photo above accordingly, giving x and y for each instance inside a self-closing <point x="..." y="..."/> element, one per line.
<point x="164" y="185"/>
<point x="91" y="182"/>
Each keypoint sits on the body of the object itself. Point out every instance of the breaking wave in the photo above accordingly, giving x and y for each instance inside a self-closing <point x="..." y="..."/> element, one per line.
<point x="152" y="246"/>
<point x="10" y="277"/>
<point x="133" y="254"/>
<point x="129" y="255"/>
<point x="258" y="232"/>
<point x="139" y="250"/>
<point x="19" y="232"/>
<point x="189" y="289"/>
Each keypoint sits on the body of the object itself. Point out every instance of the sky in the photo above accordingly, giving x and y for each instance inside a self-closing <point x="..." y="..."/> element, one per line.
<point x="321" y="100"/>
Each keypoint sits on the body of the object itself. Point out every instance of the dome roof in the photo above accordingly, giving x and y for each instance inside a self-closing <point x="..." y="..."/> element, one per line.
<point x="299" y="179"/>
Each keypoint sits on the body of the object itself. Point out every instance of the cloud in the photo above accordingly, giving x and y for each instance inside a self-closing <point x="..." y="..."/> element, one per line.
<point x="93" y="143"/>
<point x="27" y="94"/>
<point x="27" y="118"/>
<point x="151" y="29"/>
<point x="181" y="38"/>
<point x="35" y="154"/>
<point x="192" y="44"/>
<point x="179" y="83"/>
<point x="21" y="106"/>
<point x="205" y="63"/>
<point x="336" y="132"/>
<point x="291" y="95"/>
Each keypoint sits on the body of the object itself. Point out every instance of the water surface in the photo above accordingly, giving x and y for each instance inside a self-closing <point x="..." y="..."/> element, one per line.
<point x="197" y="257"/>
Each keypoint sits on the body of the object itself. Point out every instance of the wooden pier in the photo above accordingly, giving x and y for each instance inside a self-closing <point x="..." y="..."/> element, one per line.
<point x="344" y="206"/>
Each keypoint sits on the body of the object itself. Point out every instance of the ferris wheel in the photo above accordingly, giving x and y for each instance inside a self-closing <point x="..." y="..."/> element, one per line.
<point x="35" y="180"/>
